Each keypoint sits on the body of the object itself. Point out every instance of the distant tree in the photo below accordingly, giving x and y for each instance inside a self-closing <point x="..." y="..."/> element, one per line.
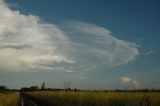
<point x="2" y="88"/>
<point x="33" y="88"/>
<point x="75" y="89"/>
<point x="67" y="85"/>
<point x="43" y="86"/>
<point x="25" y="89"/>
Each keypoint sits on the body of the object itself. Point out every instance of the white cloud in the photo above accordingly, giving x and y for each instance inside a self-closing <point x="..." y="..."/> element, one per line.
<point x="27" y="43"/>
<point x="25" y="39"/>
<point x="126" y="80"/>
<point x="30" y="59"/>
<point x="99" y="47"/>
<point x="13" y="46"/>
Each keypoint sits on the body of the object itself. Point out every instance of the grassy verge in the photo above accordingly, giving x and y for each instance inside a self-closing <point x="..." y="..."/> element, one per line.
<point x="59" y="98"/>
<point x="9" y="99"/>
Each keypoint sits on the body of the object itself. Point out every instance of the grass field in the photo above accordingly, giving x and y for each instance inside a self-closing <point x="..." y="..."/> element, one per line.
<point x="59" y="98"/>
<point x="9" y="99"/>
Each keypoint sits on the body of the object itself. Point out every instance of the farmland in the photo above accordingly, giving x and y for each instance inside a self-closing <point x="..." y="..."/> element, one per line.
<point x="9" y="99"/>
<point x="79" y="98"/>
<point x="91" y="98"/>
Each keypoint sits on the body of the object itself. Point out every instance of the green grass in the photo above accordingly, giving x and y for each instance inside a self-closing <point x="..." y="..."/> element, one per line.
<point x="59" y="98"/>
<point x="9" y="99"/>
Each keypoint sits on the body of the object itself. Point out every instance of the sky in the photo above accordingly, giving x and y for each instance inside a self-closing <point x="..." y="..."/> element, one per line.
<point x="94" y="44"/>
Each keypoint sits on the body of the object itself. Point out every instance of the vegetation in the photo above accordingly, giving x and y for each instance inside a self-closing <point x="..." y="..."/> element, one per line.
<point x="9" y="99"/>
<point x="43" y="86"/>
<point x="67" y="85"/>
<point x="88" y="98"/>
<point x="75" y="97"/>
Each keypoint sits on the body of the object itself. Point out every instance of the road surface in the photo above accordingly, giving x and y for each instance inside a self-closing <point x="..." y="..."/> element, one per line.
<point x="27" y="101"/>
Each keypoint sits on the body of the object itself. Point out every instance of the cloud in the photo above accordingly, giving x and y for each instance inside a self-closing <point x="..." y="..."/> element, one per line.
<point x="126" y="80"/>
<point x="135" y="84"/>
<point x="29" y="44"/>
<point x="13" y="46"/>
<point x="10" y="5"/>
<point x="149" y="52"/>
<point x="98" y="46"/>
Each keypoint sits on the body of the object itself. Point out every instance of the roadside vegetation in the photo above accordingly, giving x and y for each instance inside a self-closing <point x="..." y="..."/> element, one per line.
<point x="9" y="98"/>
<point x="75" y="97"/>
<point x="91" y="98"/>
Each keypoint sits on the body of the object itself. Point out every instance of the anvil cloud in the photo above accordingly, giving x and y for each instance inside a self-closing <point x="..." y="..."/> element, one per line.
<point x="29" y="44"/>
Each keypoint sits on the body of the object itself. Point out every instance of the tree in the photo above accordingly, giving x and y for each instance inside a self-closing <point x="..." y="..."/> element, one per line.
<point x="67" y="85"/>
<point x="33" y="88"/>
<point x="3" y="88"/>
<point x="43" y="86"/>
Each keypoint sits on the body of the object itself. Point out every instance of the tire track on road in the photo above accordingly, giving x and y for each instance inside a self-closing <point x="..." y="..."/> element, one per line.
<point x="27" y="101"/>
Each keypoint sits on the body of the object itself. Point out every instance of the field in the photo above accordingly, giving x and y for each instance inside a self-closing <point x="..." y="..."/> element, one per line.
<point x="9" y="99"/>
<point x="90" y="98"/>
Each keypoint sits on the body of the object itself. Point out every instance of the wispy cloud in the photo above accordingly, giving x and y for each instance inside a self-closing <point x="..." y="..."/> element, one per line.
<point x="129" y="81"/>
<point x="98" y="46"/>
<point x="27" y="43"/>
<point x="150" y="52"/>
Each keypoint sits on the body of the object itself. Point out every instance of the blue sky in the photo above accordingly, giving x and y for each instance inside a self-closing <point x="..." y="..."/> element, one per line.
<point x="98" y="44"/>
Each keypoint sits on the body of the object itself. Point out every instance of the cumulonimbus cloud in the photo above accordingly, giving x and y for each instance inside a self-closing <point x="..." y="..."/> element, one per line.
<point x="28" y="44"/>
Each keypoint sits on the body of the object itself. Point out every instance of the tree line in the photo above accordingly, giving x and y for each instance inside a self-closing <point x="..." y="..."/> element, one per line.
<point x="67" y="88"/>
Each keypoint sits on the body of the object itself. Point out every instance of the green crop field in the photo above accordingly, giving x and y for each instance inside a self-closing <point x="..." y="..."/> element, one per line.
<point x="90" y="98"/>
<point x="9" y="99"/>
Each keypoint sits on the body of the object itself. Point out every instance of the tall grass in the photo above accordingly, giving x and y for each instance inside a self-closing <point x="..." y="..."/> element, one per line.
<point x="59" y="98"/>
<point x="9" y="99"/>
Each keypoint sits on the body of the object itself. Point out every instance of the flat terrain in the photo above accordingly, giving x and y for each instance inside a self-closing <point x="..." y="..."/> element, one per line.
<point x="79" y="98"/>
<point x="90" y="98"/>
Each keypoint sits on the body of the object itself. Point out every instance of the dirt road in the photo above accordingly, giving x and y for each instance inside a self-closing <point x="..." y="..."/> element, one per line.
<point x="27" y="101"/>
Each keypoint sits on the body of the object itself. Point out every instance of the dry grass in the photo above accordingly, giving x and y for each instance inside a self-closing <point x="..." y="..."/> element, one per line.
<point x="9" y="99"/>
<point x="59" y="98"/>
